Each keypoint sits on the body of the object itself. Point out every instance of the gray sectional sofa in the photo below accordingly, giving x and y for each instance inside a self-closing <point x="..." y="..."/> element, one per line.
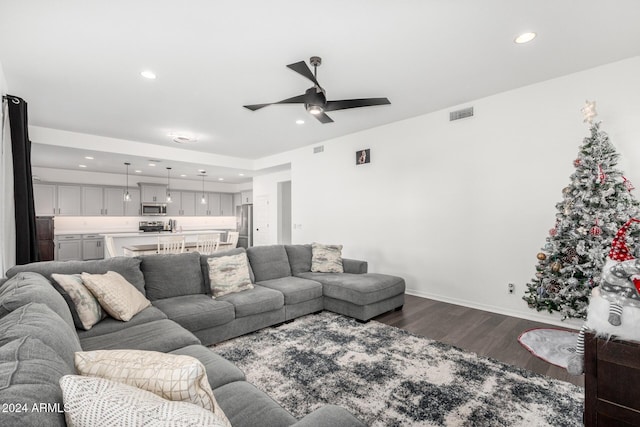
<point x="38" y="336"/>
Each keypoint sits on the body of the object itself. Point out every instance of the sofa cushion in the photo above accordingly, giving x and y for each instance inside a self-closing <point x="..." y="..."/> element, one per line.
<point x="326" y="258"/>
<point x="159" y="335"/>
<point x="85" y="308"/>
<point x="93" y="401"/>
<point x="359" y="289"/>
<point x="172" y="275"/>
<point x="29" y="374"/>
<point x="269" y="262"/>
<point x="170" y="376"/>
<point x="109" y="324"/>
<point x="295" y="289"/>
<point x="229" y="274"/>
<point x="196" y="312"/>
<point x="128" y="267"/>
<point x="27" y="287"/>
<point x="204" y="266"/>
<point x="246" y="406"/>
<point x="254" y="301"/>
<point x="299" y="258"/>
<point x="118" y="297"/>
<point x="219" y="370"/>
<point x="39" y="321"/>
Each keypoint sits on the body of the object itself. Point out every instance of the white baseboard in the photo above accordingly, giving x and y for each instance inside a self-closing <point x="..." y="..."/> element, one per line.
<point x="534" y="316"/>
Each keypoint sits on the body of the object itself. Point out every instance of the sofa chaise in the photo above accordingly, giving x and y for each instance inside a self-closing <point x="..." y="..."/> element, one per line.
<point x="183" y="319"/>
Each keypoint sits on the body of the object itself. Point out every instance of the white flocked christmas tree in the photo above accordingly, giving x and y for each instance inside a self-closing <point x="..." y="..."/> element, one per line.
<point x="595" y="204"/>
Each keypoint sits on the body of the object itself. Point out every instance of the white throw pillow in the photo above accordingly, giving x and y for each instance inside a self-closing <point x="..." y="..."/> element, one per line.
<point x="118" y="297"/>
<point x="326" y="258"/>
<point x="97" y="402"/>
<point x="170" y="376"/>
<point x="229" y="274"/>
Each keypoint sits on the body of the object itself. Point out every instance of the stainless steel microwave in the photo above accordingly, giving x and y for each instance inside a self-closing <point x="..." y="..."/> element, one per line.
<point x="153" y="209"/>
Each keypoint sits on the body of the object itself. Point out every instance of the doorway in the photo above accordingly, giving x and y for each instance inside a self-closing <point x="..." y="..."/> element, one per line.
<point x="284" y="213"/>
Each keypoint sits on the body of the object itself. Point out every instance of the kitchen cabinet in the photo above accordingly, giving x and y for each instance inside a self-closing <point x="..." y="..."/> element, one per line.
<point x="237" y="200"/>
<point x="211" y="208"/>
<point x="247" y="197"/>
<point x="226" y="204"/>
<point x="97" y="201"/>
<point x="68" y="247"/>
<point x="153" y="193"/>
<point x="44" y="196"/>
<point x="69" y="200"/>
<point x="183" y="204"/>
<point x="132" y="207"/>
<point x="92" y="247"/>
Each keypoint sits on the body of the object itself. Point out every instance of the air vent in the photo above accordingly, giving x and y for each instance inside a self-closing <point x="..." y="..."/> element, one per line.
<point x="318" y="149"/>
<point x="461" y="114"/>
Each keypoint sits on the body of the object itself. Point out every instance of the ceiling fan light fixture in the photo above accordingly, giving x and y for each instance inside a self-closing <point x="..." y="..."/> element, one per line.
<point x="314" y="109"/>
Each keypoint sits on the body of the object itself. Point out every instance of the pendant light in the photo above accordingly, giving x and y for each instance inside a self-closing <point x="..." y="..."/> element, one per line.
<point x="168" y="185"/>
<point x="127" y="196"/>
<point x="203" y="200"/>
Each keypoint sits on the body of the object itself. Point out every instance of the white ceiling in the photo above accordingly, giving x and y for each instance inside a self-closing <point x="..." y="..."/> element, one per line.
<point x="77" y="64"/>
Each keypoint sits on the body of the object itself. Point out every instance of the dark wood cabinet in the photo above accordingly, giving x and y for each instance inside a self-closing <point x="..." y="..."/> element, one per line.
<point x="612" y="382"/>
<point x="46" y="245"/>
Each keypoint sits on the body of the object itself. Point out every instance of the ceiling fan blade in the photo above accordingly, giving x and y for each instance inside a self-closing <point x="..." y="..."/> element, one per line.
<point x="323" y="118"/>
<point x="299" y="99"/>
<point x="303" y="69"/>
<point x="355" y="103"/>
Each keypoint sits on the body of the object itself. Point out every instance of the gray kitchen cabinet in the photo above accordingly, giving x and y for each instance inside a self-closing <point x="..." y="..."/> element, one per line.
<point x="92" y="247"/>
<point x="113" y="201"/>
<point x="68" y="247"/>
<point x="175" y="207"/>
<point x="211" y="208"/>
<point x="132" y="207"/>
<point x="92" y="204"/>
<point x="69" y="200"/>
<point x="189" y="201"/>
<point x="247" y="197"/>
<point x="226" y="204"/>
<point x="44" y="196"/>
<point x="153" y="193"/>
<point x="237" y="200"/>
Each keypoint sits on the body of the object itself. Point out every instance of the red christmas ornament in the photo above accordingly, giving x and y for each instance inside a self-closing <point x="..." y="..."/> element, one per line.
<point x="553" y="232"/>
<point x="576" y="162"/>
<point x="628" y="184"/>
<point x="596" y="230"/>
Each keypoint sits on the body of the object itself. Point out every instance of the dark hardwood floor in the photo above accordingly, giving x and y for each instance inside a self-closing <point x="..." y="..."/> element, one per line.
<point x="484" y="333"/>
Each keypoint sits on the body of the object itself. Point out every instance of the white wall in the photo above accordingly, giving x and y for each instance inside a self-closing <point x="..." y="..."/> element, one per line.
<point x="265" y="206"/>
<point x="460" y="209"/>
<point x="7" y="219"/>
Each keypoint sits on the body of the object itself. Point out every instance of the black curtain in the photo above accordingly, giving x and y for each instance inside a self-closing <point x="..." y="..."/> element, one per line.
<point x="26" y="235"/>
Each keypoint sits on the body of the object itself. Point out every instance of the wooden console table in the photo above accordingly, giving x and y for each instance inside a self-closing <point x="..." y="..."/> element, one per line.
<point x="612" y="382"/>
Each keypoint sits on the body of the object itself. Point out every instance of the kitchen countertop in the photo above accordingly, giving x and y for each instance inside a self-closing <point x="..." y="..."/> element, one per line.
<point x="161" y="233"/>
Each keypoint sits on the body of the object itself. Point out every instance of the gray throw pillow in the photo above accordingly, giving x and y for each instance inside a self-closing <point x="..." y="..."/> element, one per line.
<point x="172" y="275"/>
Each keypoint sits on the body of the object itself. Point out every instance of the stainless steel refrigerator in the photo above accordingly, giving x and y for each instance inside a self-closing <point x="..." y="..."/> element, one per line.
<point x="244" y="218"/>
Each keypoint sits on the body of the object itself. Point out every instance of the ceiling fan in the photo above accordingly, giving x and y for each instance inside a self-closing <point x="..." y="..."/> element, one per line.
<point x="314" y="98"/>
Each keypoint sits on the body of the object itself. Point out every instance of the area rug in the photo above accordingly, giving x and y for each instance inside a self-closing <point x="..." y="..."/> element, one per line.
<point x="389" y="377"/>
<point x="551" y="345"/>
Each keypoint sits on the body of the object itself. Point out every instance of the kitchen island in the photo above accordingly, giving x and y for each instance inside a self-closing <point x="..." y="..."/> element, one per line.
<point x="115" y="243"/>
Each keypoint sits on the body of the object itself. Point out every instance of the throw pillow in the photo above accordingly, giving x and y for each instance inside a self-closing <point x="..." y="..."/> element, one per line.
<point x="118" y="297"/>
<point x="97" y="402"/>
<point x="229" y="274"/>
<point x="326" y="258"/>
<point x="85" y="305"/>
<point x="170" y="376"/>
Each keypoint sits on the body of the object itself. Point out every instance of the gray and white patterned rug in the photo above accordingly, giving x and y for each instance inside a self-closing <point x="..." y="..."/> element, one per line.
<point x="389" y="377"/>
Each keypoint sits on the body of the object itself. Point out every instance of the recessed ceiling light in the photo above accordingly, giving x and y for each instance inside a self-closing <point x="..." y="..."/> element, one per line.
<point x="181" y="138"/>
<point x="148" y="74"/>
<point x="183" y="175"/>
<point x="152" y="164"/>
<point x="525" y="38"/>
<point x="82" y="166"/>
<point x="299" y="122"/>
<point x="88" y="157"/>
<point x="241" y="174"/>
<point x="220" y="179"/>
<point x="138" y="171"/>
